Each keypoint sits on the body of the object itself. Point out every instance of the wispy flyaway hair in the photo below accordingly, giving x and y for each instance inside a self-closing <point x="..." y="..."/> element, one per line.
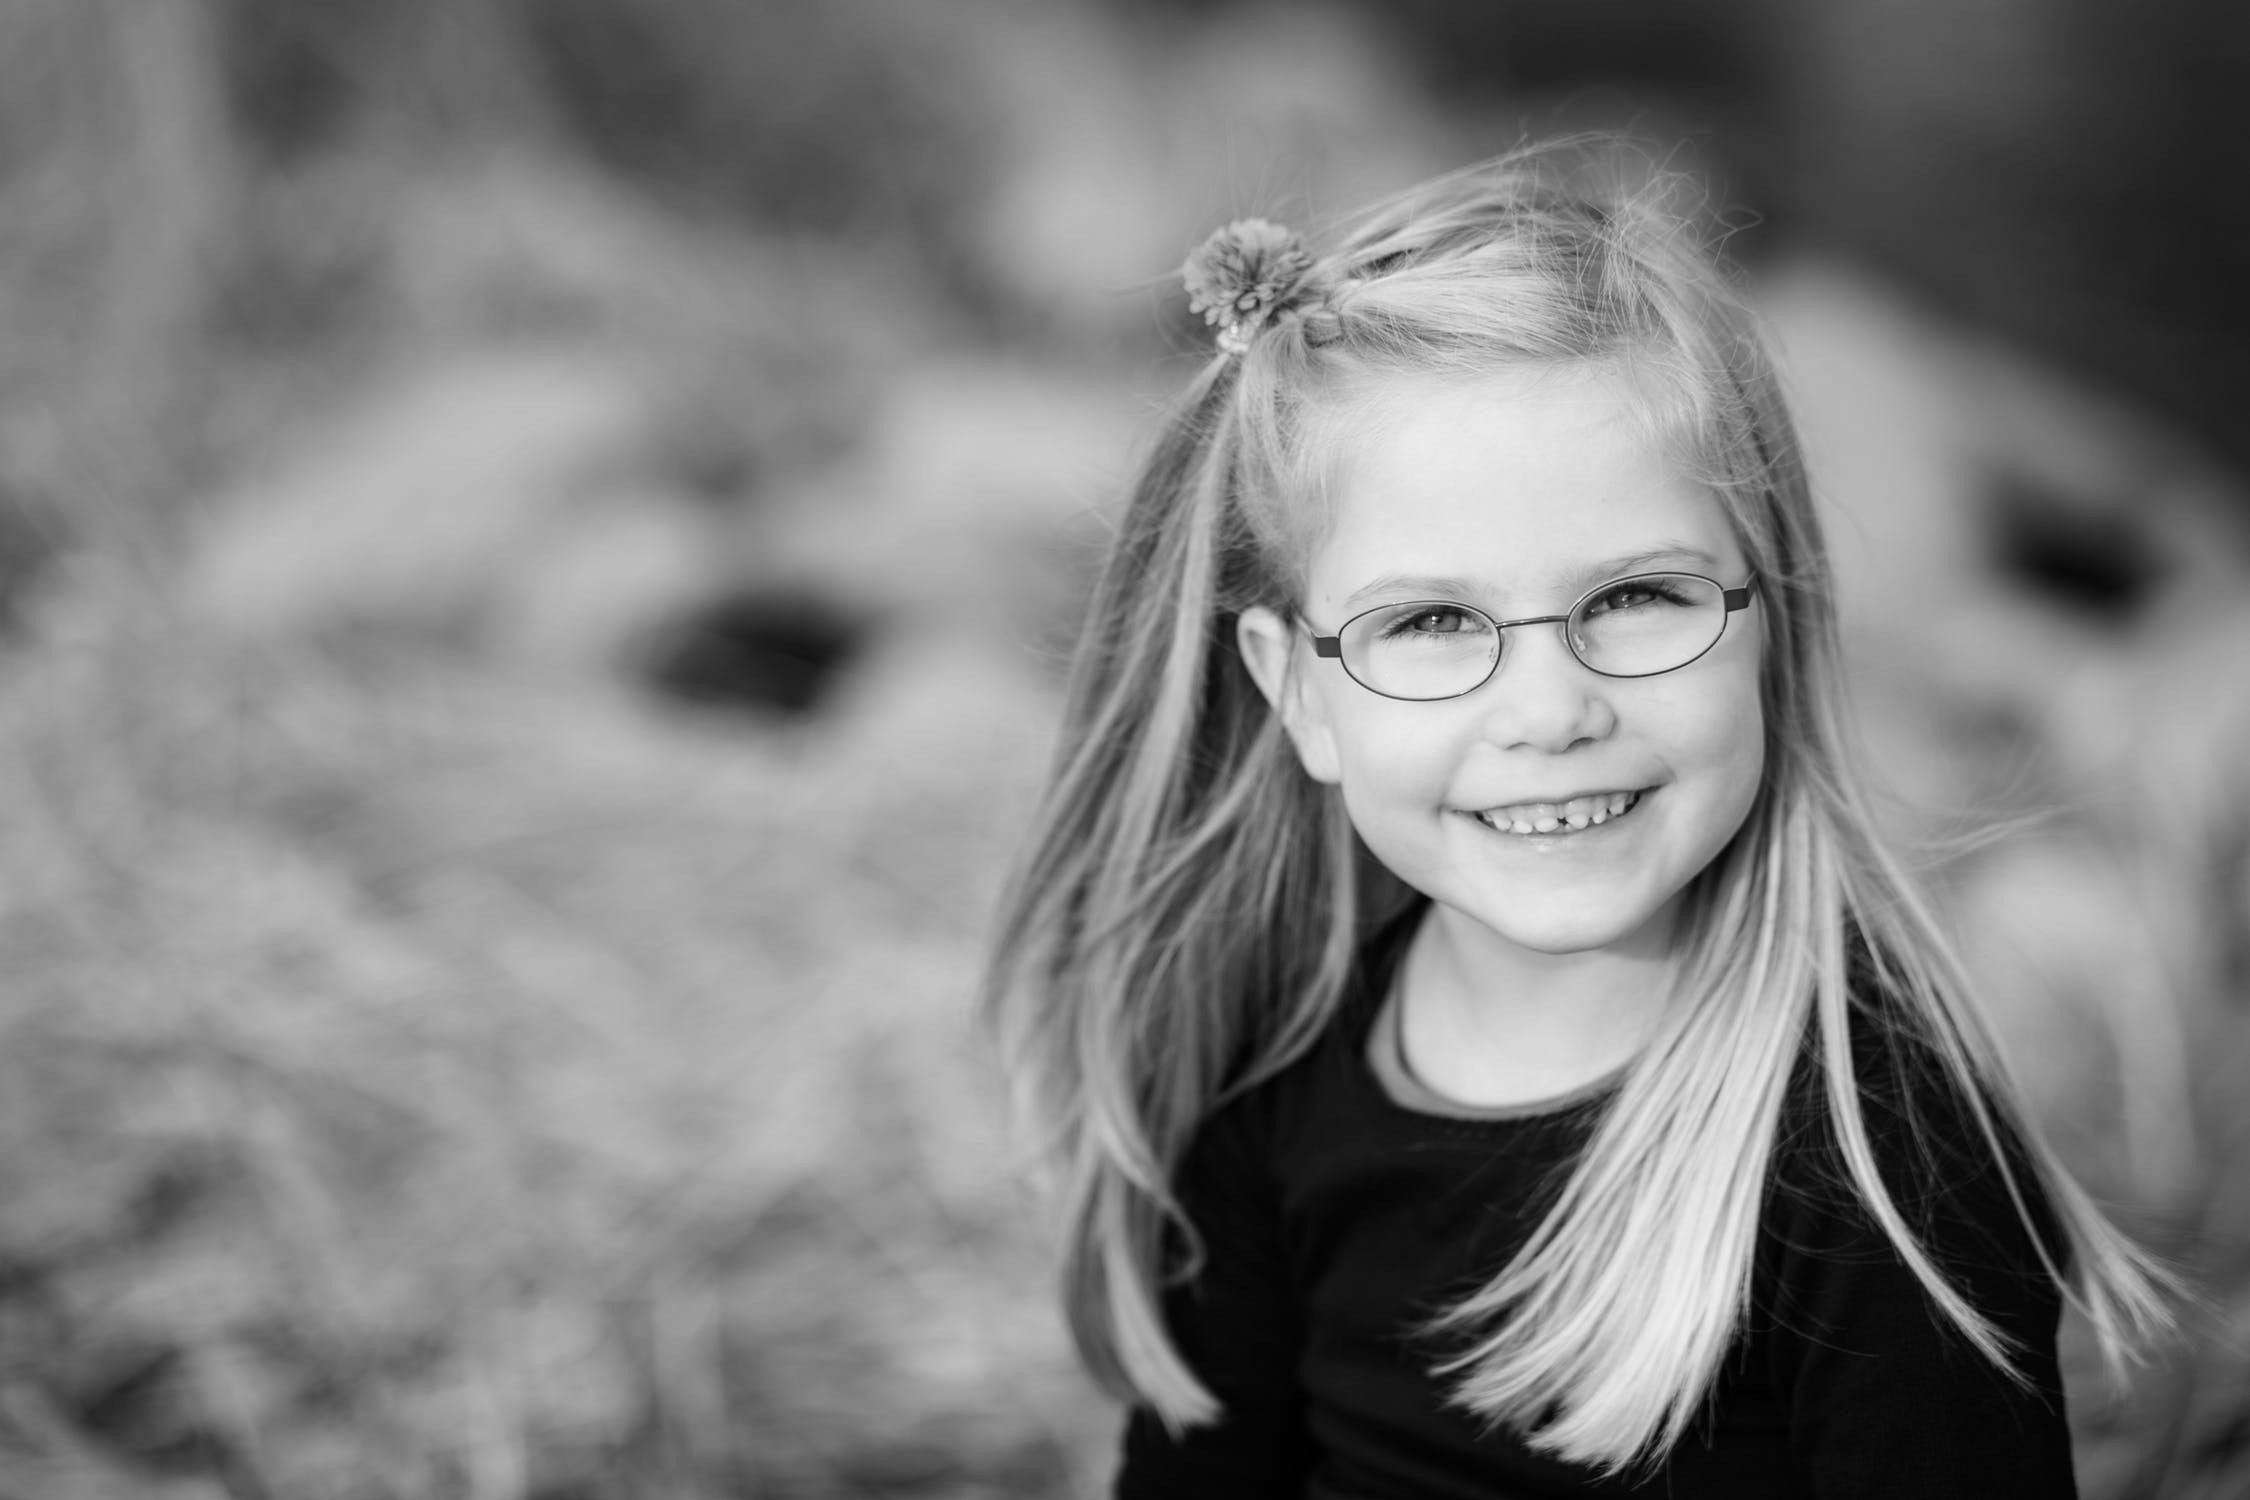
<point x="1185" y="920"/>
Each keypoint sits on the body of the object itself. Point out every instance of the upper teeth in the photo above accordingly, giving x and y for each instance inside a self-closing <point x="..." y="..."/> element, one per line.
<point x="1547" y="817"/>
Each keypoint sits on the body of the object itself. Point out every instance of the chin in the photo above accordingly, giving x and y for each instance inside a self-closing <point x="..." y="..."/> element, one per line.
<point x="1559" y="933"/>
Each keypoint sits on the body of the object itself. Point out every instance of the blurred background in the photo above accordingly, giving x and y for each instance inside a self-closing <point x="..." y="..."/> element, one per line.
<point x="537" y="542"/>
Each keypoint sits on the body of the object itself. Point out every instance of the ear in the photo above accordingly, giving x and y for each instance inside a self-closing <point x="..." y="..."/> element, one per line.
<point x="1268" y="644"/>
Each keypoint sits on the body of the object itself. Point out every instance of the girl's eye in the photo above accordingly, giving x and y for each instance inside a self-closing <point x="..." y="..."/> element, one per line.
<point x="1637" y="594"/>
<point x="1431" y="619"/>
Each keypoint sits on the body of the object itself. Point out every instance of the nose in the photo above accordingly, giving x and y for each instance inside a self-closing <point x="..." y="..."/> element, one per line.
<point x="1544" y="698"/>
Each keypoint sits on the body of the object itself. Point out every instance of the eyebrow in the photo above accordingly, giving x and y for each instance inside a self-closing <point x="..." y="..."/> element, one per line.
<point x="1444" y="586"/>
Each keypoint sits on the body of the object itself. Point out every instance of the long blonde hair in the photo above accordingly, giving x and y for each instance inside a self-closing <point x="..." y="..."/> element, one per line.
<point x="1185" y="920"/>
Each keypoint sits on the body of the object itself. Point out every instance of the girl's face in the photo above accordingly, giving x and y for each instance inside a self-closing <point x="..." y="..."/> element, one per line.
<point x="1517" y="494"/>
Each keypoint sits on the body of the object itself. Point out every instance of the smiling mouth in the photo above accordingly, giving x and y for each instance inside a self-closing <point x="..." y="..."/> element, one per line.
<point x="1575" y="816"/>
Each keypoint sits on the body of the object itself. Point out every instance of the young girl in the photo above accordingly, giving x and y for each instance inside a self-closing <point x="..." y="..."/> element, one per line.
<point x="1489" y="1047"/>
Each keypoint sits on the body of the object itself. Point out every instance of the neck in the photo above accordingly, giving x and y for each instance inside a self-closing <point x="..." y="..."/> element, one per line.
<point x="1486" y="1022"/>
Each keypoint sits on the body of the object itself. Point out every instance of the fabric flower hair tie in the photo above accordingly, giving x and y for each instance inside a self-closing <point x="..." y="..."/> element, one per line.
<point x="1243" y="276"/>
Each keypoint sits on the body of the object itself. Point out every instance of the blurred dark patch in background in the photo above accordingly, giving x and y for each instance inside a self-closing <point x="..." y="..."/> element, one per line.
<point x="537" y="539"/>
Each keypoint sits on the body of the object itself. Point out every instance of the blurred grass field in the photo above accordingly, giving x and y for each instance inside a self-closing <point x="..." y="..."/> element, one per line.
<point x="534" y="557"/>
<point x="425" y="1082"/>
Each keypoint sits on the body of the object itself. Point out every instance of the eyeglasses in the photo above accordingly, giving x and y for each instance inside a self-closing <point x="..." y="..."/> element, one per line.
<point x="1640" y="626"/>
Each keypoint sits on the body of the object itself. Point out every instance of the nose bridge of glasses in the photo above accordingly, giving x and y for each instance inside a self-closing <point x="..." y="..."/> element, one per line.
<point x="1505" y="654"/>
<point x="1528" y="620"/>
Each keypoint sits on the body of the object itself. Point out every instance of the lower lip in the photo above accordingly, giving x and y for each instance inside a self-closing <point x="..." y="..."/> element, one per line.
<point x="1566" y="835"/>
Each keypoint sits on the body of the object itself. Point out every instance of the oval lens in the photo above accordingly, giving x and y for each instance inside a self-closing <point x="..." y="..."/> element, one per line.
<point x="1637" y="627"/>
<point x="1421" y="650"/>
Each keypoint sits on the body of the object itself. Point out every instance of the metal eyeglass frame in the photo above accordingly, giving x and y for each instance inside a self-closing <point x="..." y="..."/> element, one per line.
<point x="1332" y="646"/>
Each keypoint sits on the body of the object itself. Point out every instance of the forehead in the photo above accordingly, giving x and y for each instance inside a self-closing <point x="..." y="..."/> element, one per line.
<point x="1515" y="488"/>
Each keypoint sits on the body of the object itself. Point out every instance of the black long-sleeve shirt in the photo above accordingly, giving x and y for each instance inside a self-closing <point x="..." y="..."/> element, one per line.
<point x="1338" y="1212"/>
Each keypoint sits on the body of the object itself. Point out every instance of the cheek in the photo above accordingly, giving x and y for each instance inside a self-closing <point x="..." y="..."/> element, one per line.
<point x="1389" y="750"/>
<point x="1723" y="732"/>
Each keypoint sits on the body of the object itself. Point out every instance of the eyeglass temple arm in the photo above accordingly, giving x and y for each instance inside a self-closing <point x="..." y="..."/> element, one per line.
<point x="1328" y="645"/>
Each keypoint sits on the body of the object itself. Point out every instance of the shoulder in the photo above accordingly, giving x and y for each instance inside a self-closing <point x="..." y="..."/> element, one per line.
<point x="1317" y="1108"/>
<point x="1836" y="1273"/>
<point x="1263" y="1102"/>
<point x="1951" y="1152"/>
<point x="1887" y="1391"/>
